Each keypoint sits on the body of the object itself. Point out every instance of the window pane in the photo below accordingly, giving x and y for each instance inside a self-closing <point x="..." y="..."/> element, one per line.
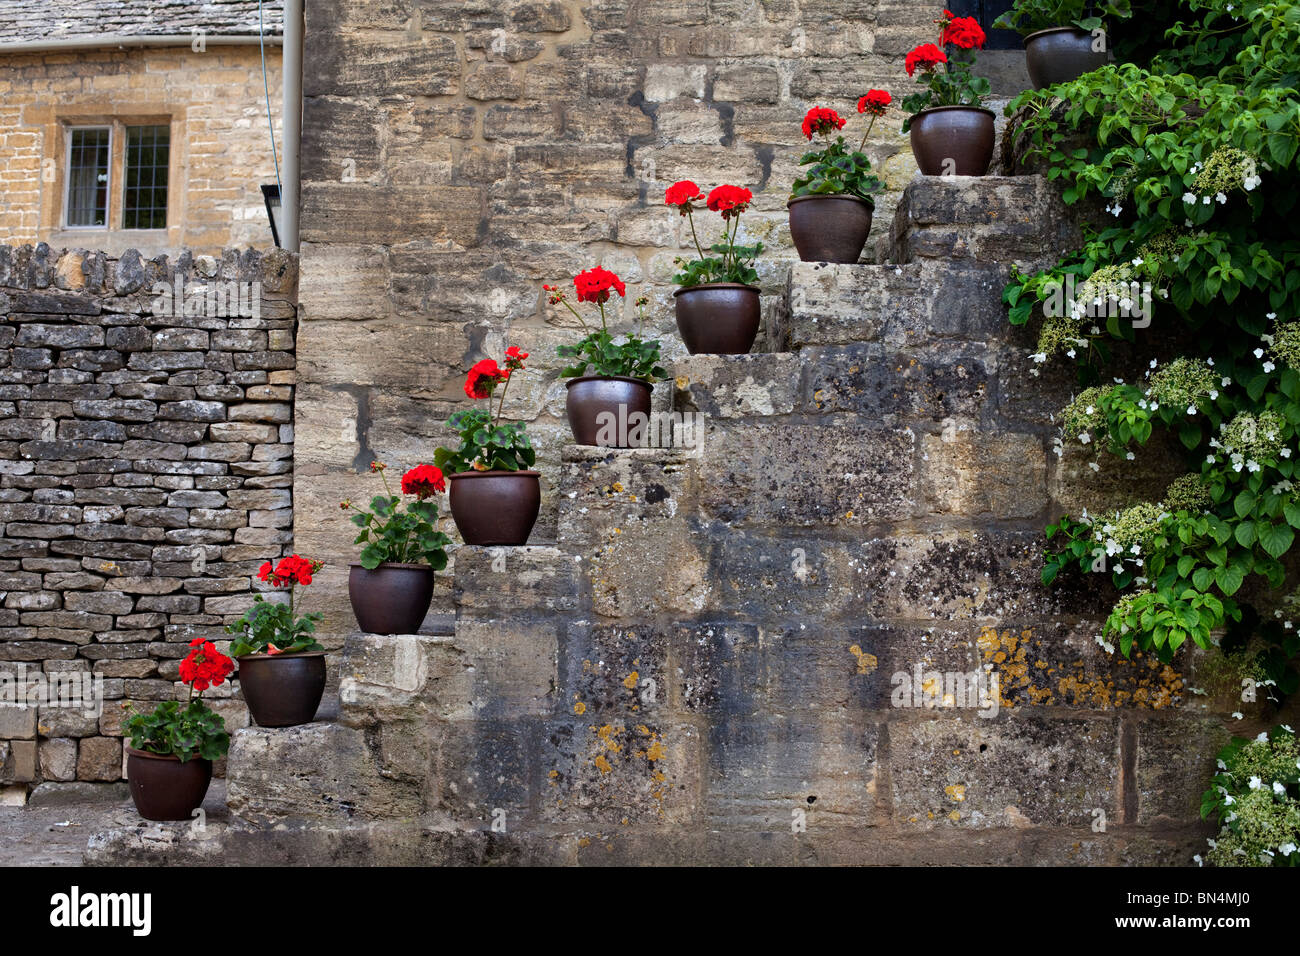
<point x="144" y="203"/>
<point x="88" y="177"/>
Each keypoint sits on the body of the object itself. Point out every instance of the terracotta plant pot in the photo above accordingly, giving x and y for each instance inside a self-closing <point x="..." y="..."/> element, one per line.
<point x="283" y="690"/>
<point x="718" y="318"/>
<point x="953" y="140"/>
<point x="1061" y="54"/>
<point x="829" y="228"/>
<point x="163" y="788"/>
<point x="592" y="396"/>
<point x="391" y="599"/>
<point x="495" y="507"/>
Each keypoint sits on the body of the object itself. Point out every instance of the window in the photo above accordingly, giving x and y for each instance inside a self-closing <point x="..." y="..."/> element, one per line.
<point x="114" y="151"/>
<point x="144" y="206"/>
<point x="88" y="155"/>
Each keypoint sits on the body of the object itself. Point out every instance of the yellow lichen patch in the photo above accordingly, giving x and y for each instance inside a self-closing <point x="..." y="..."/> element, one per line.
<point x="584" y="842"/>
<point x="617" y="486"/>
<point x="956" y="792"/>
<point x="866" y="662"/>
<point x="579" y="708"/>
<point x="954" y="816"/>
<point x="602" y="764"/>
<point x="630" y="680"/>
<point x="656" y="750"/>
<point x="606" y="735"/>
<point x="1026" y="675"/>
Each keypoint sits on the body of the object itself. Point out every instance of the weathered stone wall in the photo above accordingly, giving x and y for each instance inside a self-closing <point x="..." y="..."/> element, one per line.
<point x="221" y="144"/>
<point x="146" y="465"/>
<point x="457" y="155"/>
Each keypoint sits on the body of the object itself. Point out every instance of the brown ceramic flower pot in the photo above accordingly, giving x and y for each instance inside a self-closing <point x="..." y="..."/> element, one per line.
<point x="391" y="599"/>
<point x="283" y="690"/>
<point x="953" y="140"/>
<point x="1060" y="55"/>
<point x="599" y="407"/>
<point x="163" y="788"/>
<point x="829" y="228"/>
<point x="718" y="318"/>
<point x="495" y="507"/>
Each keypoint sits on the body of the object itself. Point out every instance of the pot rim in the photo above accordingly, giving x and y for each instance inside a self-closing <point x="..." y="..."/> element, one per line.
<point x="717" y="285"/>
<point x="858" y="199"/>
<point x="382" y="564"/>
<point x="132" y="752"/>
<point x="608" y="378"/>
<point x="956" y="106"/>
<point x="493" y="474"/>
<point x="1071" y="29"/>
<point x="259" y="656"/>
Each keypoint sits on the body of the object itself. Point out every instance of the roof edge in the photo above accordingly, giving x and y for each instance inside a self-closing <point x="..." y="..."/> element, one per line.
<point x="138" y="40"/>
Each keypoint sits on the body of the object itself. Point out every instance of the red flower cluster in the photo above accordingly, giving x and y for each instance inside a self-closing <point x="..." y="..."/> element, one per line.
<point x="963" y="32"/>
<point x="484" y="377"/>
<point x="594" y="285"/>
<point x="729" y="200"/>
<point x="927" y="56"/>
<point x="821" y="119"/>
<point x="423" y="481"/>
<point x="683" y="194"/>
<point x="515" y="358"/>
<point x="290" y="571"/>
<point x="875" y="102"/>
<point x="205" y="666"/>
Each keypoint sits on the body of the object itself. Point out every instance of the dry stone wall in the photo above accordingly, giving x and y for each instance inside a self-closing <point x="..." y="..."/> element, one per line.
<point x="146" y="469"/>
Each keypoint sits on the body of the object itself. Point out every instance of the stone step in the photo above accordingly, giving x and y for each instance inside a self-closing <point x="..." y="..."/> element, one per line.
<point x="871" y="381"/>
<point x="901" y="306"/>
<point x="995" y="219"/>
<point x="926" y="840"/>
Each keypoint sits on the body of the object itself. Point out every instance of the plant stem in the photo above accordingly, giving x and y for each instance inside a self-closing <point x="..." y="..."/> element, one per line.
<point x="696" y="239"/>
<point x="501" y="404"/>
<point x="731" y="242"/>
<point x="863" y="145"/>
<point x="575" y="312"/>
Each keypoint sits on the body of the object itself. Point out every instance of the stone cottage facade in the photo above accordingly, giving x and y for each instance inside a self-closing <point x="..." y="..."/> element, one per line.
<point x="137" y="125"/>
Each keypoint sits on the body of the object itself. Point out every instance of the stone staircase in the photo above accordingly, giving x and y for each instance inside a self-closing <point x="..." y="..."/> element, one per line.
<point x="704" y="667"/>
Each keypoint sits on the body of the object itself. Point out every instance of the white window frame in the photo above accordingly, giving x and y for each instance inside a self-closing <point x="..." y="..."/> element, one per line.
<point x="67" y="174"/>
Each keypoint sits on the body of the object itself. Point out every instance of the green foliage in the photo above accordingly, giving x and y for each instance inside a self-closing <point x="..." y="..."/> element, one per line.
<point x="182" y="731"/>
<point x="273" y="622"/>
<point x="1255" y="800"/>
<point x="484" y="446"/>
<point x="409" y="536"/>
<point x="633" y="357"/>
<point x="836" y="171"/>
<point x="732" y="264"/>
<point x="955" y="85"/>
<point x="1030" y="16"/>
<point x="1194" y="157"/>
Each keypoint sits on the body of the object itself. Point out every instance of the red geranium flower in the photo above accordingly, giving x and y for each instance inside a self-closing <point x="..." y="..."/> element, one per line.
<point x="290" y="571"/>
<point x="423" y="481"/>
<point x="927" y="56"/>
<point x="820" y="119"/>
<point x="205" y="666"/>
<point x="875" y="102"/>
<point x="682" y="194"/>
<point x="594" y="285"/>
<point x="729" y="200"/>
<point x="484" y="377"/>
<point x="963" y="32"/>
<point x="515" y="359"/>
